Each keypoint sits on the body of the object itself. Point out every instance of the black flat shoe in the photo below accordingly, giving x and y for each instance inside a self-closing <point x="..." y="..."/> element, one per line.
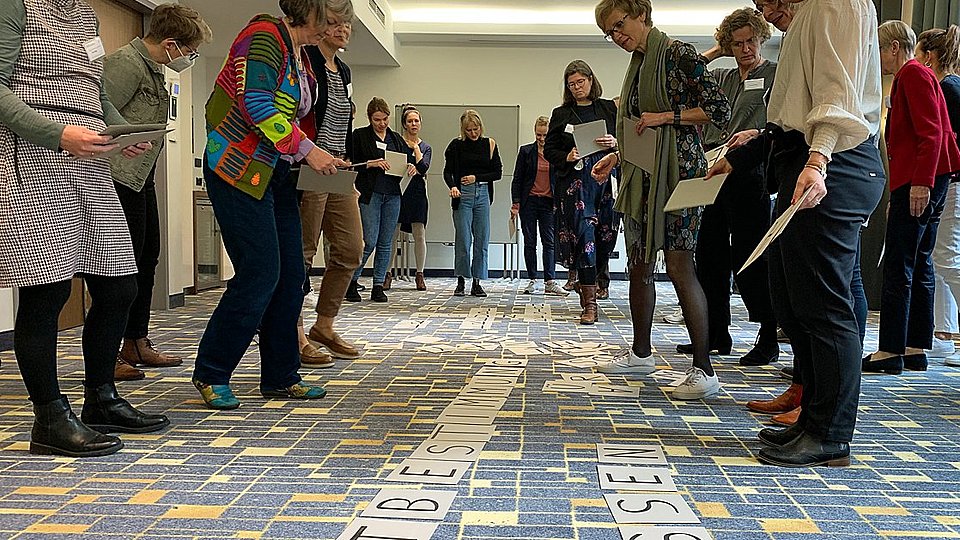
<point x="722" y="349"/>
<point x="105" y="411"/>
<point x="915" y="362"/>
<point x="377" y="294"/>
<point x="892" y="365"/>
<point x="761" y="354"/>
<point x="780" y="437"/>
<point x="807" y="451"/>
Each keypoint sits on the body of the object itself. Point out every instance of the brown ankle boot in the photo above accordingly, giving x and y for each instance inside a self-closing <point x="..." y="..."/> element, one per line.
<point x="421" y="284"/>
<point x="125" y="372"/>
<point x="140" y="352"/>
<point x="588" y="301"/>
<point x="787" y="418"/>
<point x="785" y="402"/>
<point x="387" y="281"/>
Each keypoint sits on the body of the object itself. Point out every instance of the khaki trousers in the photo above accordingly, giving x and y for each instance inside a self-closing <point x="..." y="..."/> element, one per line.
<point x="337" y="216"/>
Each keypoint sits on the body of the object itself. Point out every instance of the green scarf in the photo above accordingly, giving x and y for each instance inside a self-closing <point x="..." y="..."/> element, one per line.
<point x="652" y="92"/>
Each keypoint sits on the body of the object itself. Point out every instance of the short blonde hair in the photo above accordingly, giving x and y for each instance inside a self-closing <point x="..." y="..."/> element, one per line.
<point x="470" y="116"/>
<point x="633" y="9"/>
<point x="739" y="19"/>
<point x="182" y="24"/>
<point x="899" y="31"/>
<point x="541" y="121"/>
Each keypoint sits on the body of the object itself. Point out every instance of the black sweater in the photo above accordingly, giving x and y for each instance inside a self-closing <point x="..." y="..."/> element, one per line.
<point x="464" y="157"/>
<point x="559" y="142"/>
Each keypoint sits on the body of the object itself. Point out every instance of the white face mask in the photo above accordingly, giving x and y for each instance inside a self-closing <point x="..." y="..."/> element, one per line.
<point x="183" y="62"/>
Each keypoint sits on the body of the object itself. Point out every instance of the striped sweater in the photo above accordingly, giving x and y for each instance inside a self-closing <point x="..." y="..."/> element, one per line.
<point x="252" y="113"/>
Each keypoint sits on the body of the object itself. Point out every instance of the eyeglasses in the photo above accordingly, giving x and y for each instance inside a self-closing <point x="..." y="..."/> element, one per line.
<point x="192" y="55"/>
<point x="615" y="29"/>
<point x="577" y="83"/>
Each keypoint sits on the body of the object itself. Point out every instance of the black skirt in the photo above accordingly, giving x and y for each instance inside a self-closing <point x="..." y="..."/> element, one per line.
<point x="413" y="204"/>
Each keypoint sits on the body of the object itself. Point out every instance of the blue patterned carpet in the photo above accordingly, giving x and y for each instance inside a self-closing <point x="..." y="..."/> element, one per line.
<point x="292" y="470"/>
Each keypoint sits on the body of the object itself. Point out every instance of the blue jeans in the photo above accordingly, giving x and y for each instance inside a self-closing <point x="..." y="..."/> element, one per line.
<point x="379" y="218"/>
<point x="264" y="243"/>
<point x="537" y="212"/>
<point x="472" y="223"/>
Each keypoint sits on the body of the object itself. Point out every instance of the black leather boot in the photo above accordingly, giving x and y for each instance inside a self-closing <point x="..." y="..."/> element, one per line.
<point x="353" y="292"/>
<point x="780" y="437"/>
<point x="807" y="451"/>
<point x="105" y="411"/>
<point x="57" y="431"/>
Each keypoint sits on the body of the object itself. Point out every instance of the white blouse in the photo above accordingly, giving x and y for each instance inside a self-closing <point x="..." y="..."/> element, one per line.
<point x="828" y="79"/>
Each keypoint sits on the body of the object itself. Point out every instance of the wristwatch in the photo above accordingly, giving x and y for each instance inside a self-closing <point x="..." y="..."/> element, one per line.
<point x="676" y="118"/>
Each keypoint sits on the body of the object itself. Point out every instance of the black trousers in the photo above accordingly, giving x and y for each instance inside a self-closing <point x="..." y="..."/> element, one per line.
<point x="811" y="266"/>
<point x="35" y="332"/>
<point x="537" y="213"/>
<point x="906" y="300"/>
<point x="143" y="219"/>
<point x="730" y="229"/>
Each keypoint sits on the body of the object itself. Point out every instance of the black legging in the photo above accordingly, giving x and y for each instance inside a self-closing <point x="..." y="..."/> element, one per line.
<point x="35" y="332"/>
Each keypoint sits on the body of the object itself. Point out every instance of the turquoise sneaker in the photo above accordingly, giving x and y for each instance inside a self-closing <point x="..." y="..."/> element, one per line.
<point x="296" y="391"/>
<point x="217" y="396"/>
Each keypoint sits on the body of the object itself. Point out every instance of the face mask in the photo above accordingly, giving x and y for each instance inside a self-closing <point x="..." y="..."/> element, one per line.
<point x="183" y="62"/>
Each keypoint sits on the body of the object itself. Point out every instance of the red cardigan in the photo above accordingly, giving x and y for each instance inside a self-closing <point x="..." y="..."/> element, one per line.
<point x="920" y="141"/>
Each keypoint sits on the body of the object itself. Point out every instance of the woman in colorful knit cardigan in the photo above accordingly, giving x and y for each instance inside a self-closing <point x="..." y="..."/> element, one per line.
<point x="259" y="122"/>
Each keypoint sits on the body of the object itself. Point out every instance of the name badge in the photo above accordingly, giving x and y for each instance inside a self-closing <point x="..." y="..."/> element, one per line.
<point x="568" y="129"/>
<point x="753" y="84"/>
<point x="94" y="48"/>
<point x="381" y="145"/>
<point x="349" y="90"/>
<point x="888" y="102"/>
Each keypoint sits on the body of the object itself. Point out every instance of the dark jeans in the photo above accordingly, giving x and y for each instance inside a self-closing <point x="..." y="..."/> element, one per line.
<point x="906" y="301"/>
<point x="35" y="332"/>
<point x="730" y="229"/>
<point x="143" y="219"/>
<point x="263" y="240"/>
<point x="537" y="212"/>
<point x="810" y="274"/>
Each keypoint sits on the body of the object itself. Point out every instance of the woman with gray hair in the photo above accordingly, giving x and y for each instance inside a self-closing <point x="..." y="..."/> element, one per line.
<point x="667" y="87"/>
<point x="264" y="92"/>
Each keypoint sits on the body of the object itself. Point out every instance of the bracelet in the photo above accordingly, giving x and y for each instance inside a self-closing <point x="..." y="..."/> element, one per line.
<point x="676" y="118"/>
<point x="820" y="168"/>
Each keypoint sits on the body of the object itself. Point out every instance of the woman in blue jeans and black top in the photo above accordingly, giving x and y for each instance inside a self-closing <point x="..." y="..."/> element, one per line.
<point x="472" y="165"/>
<point x="586" y="223"/>
<point x="379" y="194"/>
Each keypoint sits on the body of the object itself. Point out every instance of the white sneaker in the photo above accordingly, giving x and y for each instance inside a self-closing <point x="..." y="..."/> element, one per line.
<point x="551" y="288"/>
<point x="942" y="348"/>
<point x="531" y="286"/>
<point x="696" y="385"/>
<point x="311" y="299"/>
<point x="675" y="317"/>
<point x="626" y="361"/>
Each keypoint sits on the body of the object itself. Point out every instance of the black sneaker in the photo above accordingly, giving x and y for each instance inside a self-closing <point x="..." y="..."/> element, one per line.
<point x="377" y="294"/>
<point x="353" y="295"/>
<point x="477" y="290"/>
<point x="461" y="288"/>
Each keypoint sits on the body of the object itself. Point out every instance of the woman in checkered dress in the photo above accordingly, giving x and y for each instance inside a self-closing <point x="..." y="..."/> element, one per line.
<point x="60" y="218"/>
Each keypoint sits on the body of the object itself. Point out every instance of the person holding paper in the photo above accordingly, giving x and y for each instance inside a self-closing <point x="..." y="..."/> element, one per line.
<point x="586" y="223"/>
<point x="940" y="50"/>
<point x="379" y="187"/>
<point x="61" y="219"/>
<point x="821" y="139"/>
<point x="134" y="79"/>
<point x="668" y="88"/>
<point x="414" y="205"/>
<point x="534" y="183"/>
<point x="732" y="226"/>
<point x="336" y="215"/>
<point x="923" y="158"/>
<point x="259" y="120"/>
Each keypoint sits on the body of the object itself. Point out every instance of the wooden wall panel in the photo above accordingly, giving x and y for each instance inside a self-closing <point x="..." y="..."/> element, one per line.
<point x="118" y="23"/>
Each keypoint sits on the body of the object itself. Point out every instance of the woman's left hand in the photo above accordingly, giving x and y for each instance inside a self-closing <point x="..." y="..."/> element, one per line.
<point x="411" y="170"/>
<point x="919" y="200"/>
<point x="467" y="180"/>
<point x="606" y="141"/>
<point x="601" y="170"/>
<point x="137" y="149"/>
<point x="652" y="119"/>
<point x="818" y="188"/>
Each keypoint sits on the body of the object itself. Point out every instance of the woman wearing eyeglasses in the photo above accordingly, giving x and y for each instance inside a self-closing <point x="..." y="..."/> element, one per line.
<point x="586" y="222"/>
<point x="134" y="80"/>
<point x="668" y="88"/>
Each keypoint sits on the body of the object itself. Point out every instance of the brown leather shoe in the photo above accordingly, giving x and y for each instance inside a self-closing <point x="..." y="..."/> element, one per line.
<point x="588" y="301"/>
<point x="603" y="294"/>
<point x="387" y="281"/>
<point x="335" y="344"/>
<point x="787" y="418"/>
<point x="125" y="372"/>
<point x="785" y="402"/>
<point x="421" y="284"/>
<point x="311" y="356"/>
<point x="140" y="352"/>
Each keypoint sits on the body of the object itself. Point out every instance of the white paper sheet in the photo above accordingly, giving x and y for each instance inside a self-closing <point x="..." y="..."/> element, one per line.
<point x="311" y="180"/>
<point x="775" y="230"/>
<point x="585" y="135"/>
<point x="695" y="192"/>
<point x="397" y="161"/>
<point x="641" y="150"/>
